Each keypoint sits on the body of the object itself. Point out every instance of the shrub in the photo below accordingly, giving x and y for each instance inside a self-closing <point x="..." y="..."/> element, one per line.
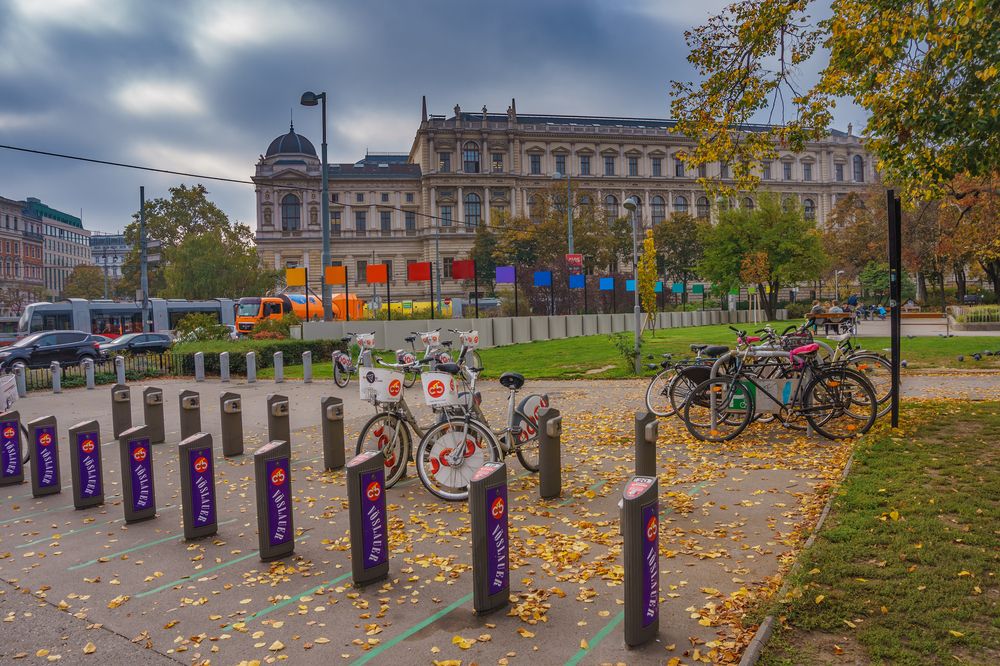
<point x="798" y="309"/>
<point x="275" y="329"/>
<point x="200" y="326"/>
<point x="625" y="344"/>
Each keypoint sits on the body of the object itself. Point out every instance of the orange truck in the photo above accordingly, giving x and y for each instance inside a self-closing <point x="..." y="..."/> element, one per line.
<point x="253" y="309"/>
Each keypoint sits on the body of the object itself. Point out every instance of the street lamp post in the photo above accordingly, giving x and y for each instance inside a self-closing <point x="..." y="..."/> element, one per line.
<point x="569" y="207"/>
<point x="311" y="99"/>
<point x="836" y="284"/>
<point x="632" y="205"/>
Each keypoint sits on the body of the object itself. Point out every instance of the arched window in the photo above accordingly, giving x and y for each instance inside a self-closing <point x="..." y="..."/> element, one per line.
<point x="748" y="203"/>
<point x="470" y="157"/>
<point x="859" y="169"/>
<point x="291" y="213"/>
<point x="809" y="209"/>
<point x="680" y="204"/>
<point x="659" y="210"/>
<point x="473" y="210"/>
<point x="533" y="213"/>
<point x="611" y="206"/>
<point x="704" y="209"/>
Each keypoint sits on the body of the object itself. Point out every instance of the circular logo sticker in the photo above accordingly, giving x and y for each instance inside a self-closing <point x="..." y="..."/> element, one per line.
<point x="9" y="432"/>
<point x="370" y="376"/>
<point x="87" y="446"/>
<point x="395" y="386"/>
<point x="435" y="389"/>
<point x="139" y="454"/>
<point x="278" y="476"/>
<point x="201" y="464"/>
<point x="374" y="491"/>
<point x="45" y="439"/>
<point x="409" y="358"/>
<point x="497" y="508"/>
<point x="651" y="528"/>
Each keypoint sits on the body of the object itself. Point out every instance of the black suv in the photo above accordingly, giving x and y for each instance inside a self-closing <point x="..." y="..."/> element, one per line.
<point x="40" y="349"/>
<point x="138" y="343"/>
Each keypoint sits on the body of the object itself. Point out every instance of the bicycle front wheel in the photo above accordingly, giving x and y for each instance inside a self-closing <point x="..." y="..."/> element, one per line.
<point x="451" y="453"/>
<point x="527" y="453"/>
<point x="389" y="434"/>
<point x="340" y="375"/>
<point x="878" y="371"/>
<point x="840" y="403"/>
<point x="658" y="393"/>
<point x="718" y="409"/>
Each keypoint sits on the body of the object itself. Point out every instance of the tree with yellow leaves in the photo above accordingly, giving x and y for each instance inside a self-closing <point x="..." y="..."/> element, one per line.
<point x="647" y="277"/>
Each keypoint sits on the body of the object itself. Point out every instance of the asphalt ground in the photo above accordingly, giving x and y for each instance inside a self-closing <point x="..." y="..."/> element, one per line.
<point x="82" y="585"/>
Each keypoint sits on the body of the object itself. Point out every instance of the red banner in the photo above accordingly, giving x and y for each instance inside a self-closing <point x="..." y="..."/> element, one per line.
<point x="418" y="271"/>
<point x="463" y="270"/>
<point x="376" y="274"/>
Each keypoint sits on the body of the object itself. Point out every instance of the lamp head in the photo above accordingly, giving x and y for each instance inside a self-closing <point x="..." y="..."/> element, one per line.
<point x="631" y="203"/>
<point x="310" y="98"/>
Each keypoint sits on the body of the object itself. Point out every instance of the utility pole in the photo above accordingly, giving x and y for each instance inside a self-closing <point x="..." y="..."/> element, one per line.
<point x="144" y="276"/>
<point x="437" y="252"/>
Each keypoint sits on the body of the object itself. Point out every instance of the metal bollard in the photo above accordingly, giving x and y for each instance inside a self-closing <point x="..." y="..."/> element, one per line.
<point x="273" y="478"/>
<point x="549" y="453"/>
<point x="647" y="430"/>
<point x="21" y="382"/>
<point x="44" y="438"/>
<point x="11" y="463"/>
<point x="231" y="416"/>
<point x="277" y="418"/>
<point x="190" y="413"/>
<point x="120" y="369"/>
<point x="197" y="465"/>
<point x="121" y="409"/>
<point x="251" y="367"/>
<point x="224" y="367"/>
<point x="152" y="412"/>
<point x="199" y="366"/>
<point x="368" y="518"/>
<point x="88" y="371"/>
<point x="56" y="370"/>
<point x="86" y="464"/>
<point x="139" y="489"/>
<point x="279" y="367"/>
<point x="639" y="522"/>
<point x="307" y="367"/>
<point x="490" y="545"/>
<point x="333" y="432"/>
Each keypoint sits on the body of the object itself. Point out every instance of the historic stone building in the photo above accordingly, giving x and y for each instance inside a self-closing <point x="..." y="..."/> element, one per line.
<point x="21" y="256"/>
<point x="463" y="169"/>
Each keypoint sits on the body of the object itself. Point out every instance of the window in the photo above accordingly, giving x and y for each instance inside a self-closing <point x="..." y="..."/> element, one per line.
<point x="410" y="222"/>
<point x="473" y="210"/>
<point x="786" y="168"/>
<point x="859" y="169"/>
<point x="385" y="222"/>
<point x="609" y="166"/>
<point x="633" y="166"/>
<point x="659" y="210"/>
<point x="807" y="171"/>
<point x="497" y="162"/>
<point x="766" y="168"/>
<point x="409" y="197"/>
<point x="839" y="170"/>
<point x="809" y="209"/>
<point x="359" y="197"/>
<point x="362" y="267"/>
<point x="335" y="223"/>
<point x="561" y="164"/>
<point x="444" y="162"/>
<point x="290" y="212"/>
<point x="470" y="157"/>
<point x="385" y="197"/>
<point x="334" y="198"/>
<point x="446" y="216"/>
<point x="678" y="167"/>
<point x="703" y="209"/>
<point x="680" y="204"/>
<point x="448" y="261"/>
<point x="748" y="203"/>
<point x="360" y="222"/>
<point x="723" y="170"/>
<point x="536" y="164"/>
<point x="657" y="166"/>
<point x="533" y="213"/>
<point x="584" y="165"/>
<point x="611" y="206"/>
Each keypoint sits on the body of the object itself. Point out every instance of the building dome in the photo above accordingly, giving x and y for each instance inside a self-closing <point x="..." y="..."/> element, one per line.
<point x="291" y="143"/>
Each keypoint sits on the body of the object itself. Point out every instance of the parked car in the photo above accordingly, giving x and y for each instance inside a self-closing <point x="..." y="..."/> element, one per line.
<point x="100" y="339"/>
<point x="138" y="343"/>
<point x="40" y="349"/>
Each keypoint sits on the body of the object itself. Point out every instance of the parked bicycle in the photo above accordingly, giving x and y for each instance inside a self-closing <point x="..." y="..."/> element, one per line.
<point x="343" y="368"/>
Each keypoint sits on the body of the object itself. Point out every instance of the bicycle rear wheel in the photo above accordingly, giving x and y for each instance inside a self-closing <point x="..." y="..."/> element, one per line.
<point x="527" y="453"/>
<point x="340" y="376"/>
<point x="878" y="371"/>
<point x="450" y="454"/>
<point x="658" y="393"/>
<point x="840" y="403"/>
<point x="389" y="434"/>
<point x="718" y="409"/>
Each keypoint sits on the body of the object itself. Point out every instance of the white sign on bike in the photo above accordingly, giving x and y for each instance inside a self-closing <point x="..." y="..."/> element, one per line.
<point x="527" y="416"/>
<point x="366" y="340"/>
<point x="440" y="389"/>
<point x="380" y="385"/>
<point x="470" y="339"/>
<point x="8" y="392"/>
<point x="782" y="388"/>
<point x="430" y="339"/>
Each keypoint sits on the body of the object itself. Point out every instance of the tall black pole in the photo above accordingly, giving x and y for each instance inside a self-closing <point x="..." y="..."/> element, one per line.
<point x="475" y="283"/>
<point x="515" y="291"/>
<point x="307" y="293"/>
<point x="143" y="271"/>
<point x="432" y="291"/>
<point x="347" y="297"/>
<point x="584" y="293"/>
<point x="388" y="297"/>
<point x="895" y="296"/>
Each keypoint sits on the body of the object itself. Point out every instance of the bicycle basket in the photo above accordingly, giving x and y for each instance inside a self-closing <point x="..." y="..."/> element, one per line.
<point x="366" y="340"/>
<point x="470" y="339"/>
<point x="790" y="342"/>
<point x="430" y="339"/>
<point x="380" y="385"/>
<point x="440" y="389"/>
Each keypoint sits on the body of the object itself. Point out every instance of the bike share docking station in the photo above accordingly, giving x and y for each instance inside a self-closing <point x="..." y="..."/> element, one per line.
<point x="278" y="428"/>
<point x="86" y="464"/>
<point x="490" y="538"/>
<point x="44" y="439"/>
<point x="138" y="489"/>
<point x="197" y="465"/>
<point x="647" y="431"/>
<point x="333" y="432"/>
<point x="231" y="417"/>
<point x="369" y="521"/>
<point x="11" y="466"/>
<point x="549" y="453"/>
<point x="121" y="409"/>
<point x="273" y="482"/>
<point x="639" y="519"/>
<point x="190" y="404"/>
<point x="152" y="411"/>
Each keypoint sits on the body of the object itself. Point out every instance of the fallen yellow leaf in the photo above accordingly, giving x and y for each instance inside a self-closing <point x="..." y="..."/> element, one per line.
<point x="956" y="634"/>
<point x="525" y="633"/>
<point x="464" y="643"/>
<point x="820" y="598"/>
<point x="89" y="648"/>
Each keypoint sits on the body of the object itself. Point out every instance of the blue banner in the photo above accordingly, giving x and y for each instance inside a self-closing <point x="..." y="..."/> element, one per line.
<point x="576" y="281"/>
<point x="543" y="278"/>
<point x="607" y="284"/>
<point x="629" y="285"/>
<point x="659" y="287"/>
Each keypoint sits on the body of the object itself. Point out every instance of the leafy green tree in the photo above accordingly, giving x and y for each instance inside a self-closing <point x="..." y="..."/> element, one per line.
<point x="213" y="264"/>
<point x="874" y="279"/>
<point x="788" y="243"/>
<point x="84" y="281"/>
<point x="927" y="72"/>
<point x="647" y="275"/>
<point x="680" y="241"/>
<point x="483" y="253"/>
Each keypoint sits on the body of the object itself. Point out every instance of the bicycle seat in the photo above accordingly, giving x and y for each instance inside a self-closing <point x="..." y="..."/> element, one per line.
<point x="714" y="350"/>
<point x="410" y="338"/>
<point x="512" y="380"/>
<point x="450" y="368"/>
<point x="698" y="347"/>
<point x="805" y="349"/>
<point x="446" y="343"/>
<point x="347" y="339"/>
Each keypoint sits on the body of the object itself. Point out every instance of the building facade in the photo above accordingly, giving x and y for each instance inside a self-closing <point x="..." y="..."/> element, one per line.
<point x="67" y="244"/>
<point x="21" y="256"/>
<point x="464" y="169"/>
<point x="108" y="252"/>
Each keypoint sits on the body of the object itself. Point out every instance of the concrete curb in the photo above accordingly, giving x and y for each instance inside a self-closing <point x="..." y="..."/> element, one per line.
<point x="755" y="648"/>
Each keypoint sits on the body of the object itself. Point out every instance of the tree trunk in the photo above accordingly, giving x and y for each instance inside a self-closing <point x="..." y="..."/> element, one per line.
<point x="960" y="283"/>
<point x="992" y="270"/>
<point x="941" y="282"/>
<point x="921" y="287"/>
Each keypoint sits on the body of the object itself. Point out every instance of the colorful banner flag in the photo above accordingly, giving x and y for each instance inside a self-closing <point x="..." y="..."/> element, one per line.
<point x="658" y="287"/>
<point x="464" y="269"/>
<point x="629" y="285"/>
<point x="607" y="284"/>
<point x="577" y="281"/>
<point x="335" y="275"/>
<point x="376" y="274"/>
<point x="418" y="271"/>
<point x="697" y="289"/>
<point x="677" y="288"/>
<point x="295" y="277"/>
<point x="543" y="278"/>
<point x="506" y="274"/>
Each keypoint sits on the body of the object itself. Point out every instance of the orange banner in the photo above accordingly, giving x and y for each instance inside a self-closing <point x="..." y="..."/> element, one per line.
<point x="295" y="277"/>
<point x="335" y="275"/>
<point x="376" y="274"/>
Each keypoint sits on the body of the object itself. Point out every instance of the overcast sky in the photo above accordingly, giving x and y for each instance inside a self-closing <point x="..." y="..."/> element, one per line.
<point x="203" y="86"/>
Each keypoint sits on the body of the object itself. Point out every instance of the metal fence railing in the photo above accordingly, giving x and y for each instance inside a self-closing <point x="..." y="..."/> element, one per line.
<point x="137" y="366"/>
<point x="976" y="314"/>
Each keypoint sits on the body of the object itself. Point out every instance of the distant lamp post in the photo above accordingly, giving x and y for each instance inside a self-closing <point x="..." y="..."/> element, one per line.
<point x="312" y="99"/>
<point x="836" y="284"/>
<point x="632" y="205"/>
<point x="569" y="207"/>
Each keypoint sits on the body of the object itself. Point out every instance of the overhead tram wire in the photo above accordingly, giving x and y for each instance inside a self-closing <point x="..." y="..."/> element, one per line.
<point x="238" y="181"/>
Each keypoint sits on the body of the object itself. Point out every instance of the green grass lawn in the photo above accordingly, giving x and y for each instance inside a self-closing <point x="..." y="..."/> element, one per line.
<point x="906" y="567"/>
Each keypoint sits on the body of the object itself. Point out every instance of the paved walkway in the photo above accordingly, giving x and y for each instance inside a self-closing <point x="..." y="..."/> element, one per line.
<point x="731" y="514"/>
